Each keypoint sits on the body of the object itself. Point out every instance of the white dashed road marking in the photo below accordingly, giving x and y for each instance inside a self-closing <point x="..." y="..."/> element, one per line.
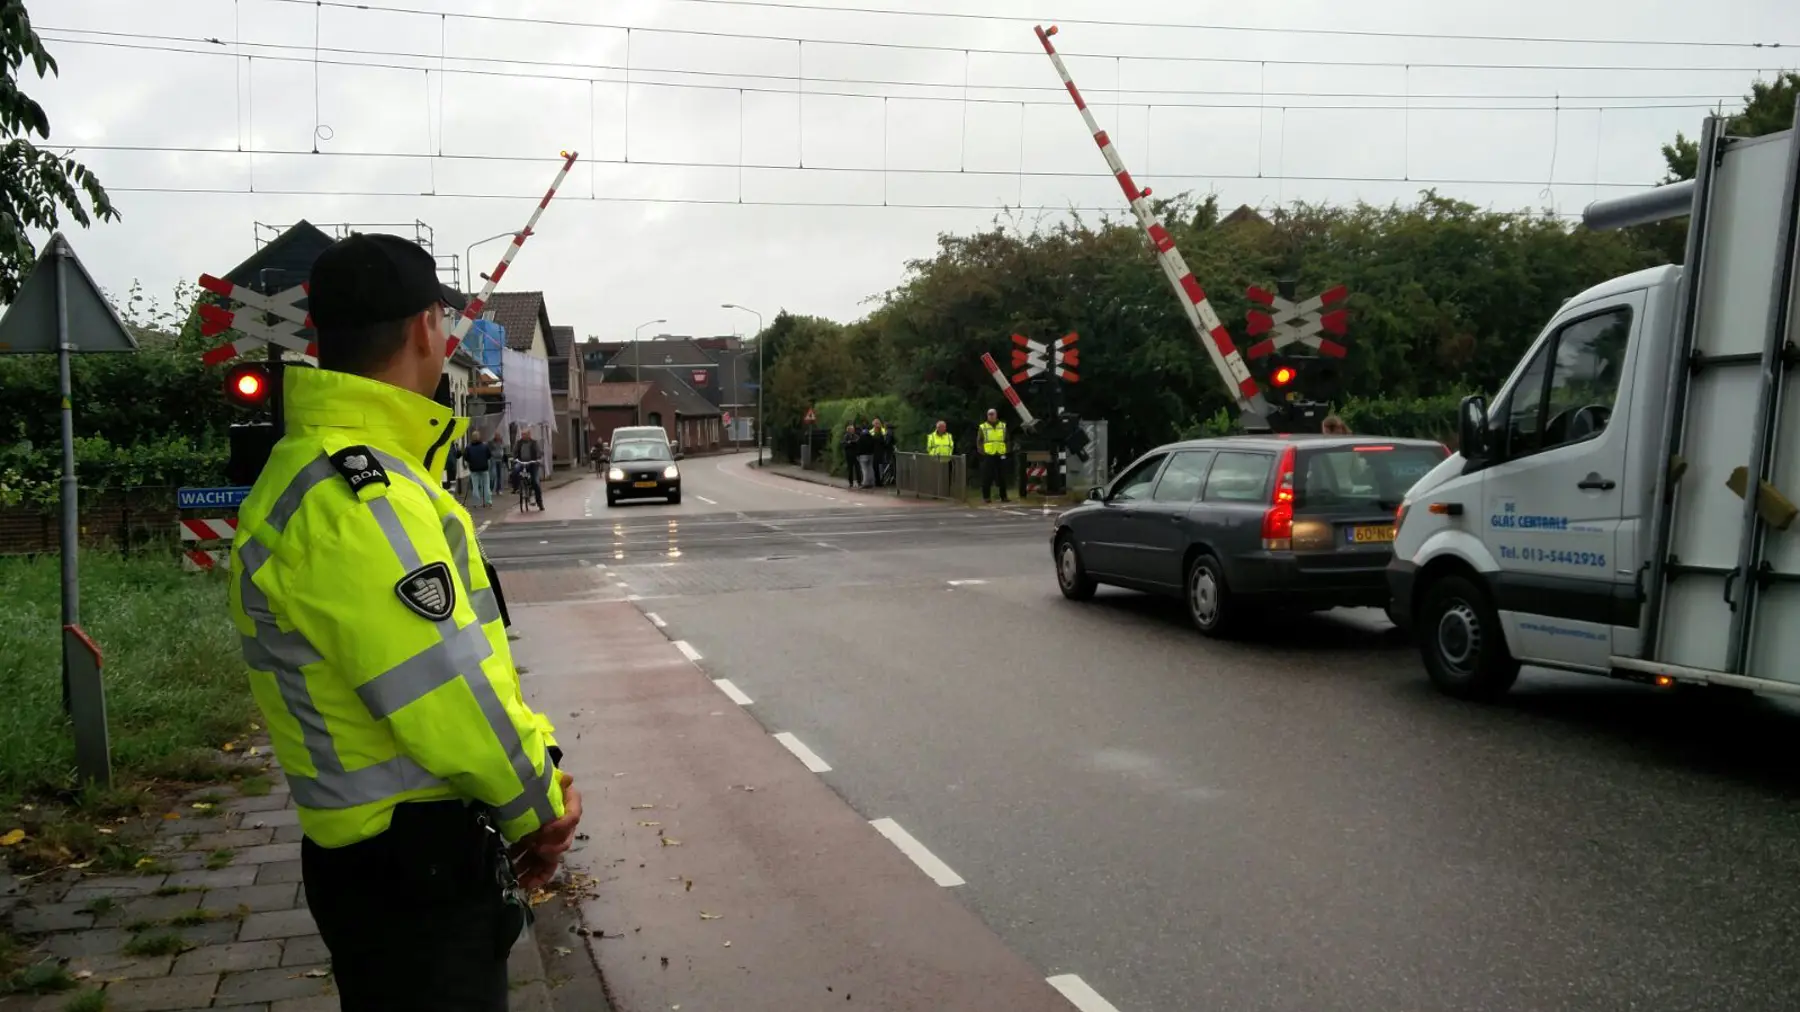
<point x="1080" y="994"/>
<point x="732" y="692"/>
<point x="705" y="500"/>
<point x="688" y="651"/>
<point x="928" y="862"/>
<point x="807" y="756"/>
<point x="965" y="583"/>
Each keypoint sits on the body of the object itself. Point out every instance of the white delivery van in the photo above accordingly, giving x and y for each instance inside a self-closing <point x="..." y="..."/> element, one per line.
<point x="1625" y="505"/>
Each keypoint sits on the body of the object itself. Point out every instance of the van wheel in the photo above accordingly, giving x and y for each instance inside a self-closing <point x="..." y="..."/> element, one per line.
<point x="1210" y="604"/>
<point x="1071" y="575"/>
<point x="1462" y="643"/>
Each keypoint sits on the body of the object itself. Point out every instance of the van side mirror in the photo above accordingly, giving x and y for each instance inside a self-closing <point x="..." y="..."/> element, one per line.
<point x="1096" y="494"/>
<point x="1472" y="428"/>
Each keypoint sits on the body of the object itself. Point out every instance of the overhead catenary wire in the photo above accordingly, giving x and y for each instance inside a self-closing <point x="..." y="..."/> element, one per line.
<point x="715" y="33"/>
<point x="1678" y="101"/>
<point x="1021" y="171"/>
<point x="1364" y="33"/>
<point x="703" y="201"/>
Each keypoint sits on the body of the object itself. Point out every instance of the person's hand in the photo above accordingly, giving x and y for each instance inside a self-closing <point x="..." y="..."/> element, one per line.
<point x="536" y="856"/>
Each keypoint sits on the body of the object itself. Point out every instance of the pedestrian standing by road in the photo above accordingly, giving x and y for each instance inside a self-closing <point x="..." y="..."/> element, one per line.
<point x="848" y="445"/>
<point x="865" y="457"/>
<point x="479" y="456"/>
<point x="940" y="444"/>
<point x="502" y="457"/>
<point x="427" y="791"/>
<point x="990" y="441"/>
<point x="883" y="438"/>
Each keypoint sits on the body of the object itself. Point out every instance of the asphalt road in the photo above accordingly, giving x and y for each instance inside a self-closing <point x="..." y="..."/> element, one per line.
<point x="1297" y="822"/>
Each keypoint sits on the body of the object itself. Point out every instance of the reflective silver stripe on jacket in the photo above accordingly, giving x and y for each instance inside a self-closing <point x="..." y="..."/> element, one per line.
<point x="455" y="662"/>
<point x="285" y="654"/>
<point x="486" y="605"/>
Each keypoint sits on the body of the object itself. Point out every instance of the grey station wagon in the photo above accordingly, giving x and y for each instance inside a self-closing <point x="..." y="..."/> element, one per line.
<point x="1247" y="524"/>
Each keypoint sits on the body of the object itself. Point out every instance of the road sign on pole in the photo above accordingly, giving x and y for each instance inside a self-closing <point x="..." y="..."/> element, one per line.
<point x="225" y="497"/>
<point x="59" y="309"/>
<point x="812" y="417"/>
<point x="1288" y="322"/>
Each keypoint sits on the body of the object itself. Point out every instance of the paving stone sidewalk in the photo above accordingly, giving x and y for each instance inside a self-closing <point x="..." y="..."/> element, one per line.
<point x="219" y="922"/>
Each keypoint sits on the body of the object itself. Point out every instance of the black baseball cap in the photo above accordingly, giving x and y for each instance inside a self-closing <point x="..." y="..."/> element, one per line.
<point x="372" y="277"/>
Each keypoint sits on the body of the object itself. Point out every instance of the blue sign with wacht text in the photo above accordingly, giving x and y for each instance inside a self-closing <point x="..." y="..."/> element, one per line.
<point x="210" y="498"/>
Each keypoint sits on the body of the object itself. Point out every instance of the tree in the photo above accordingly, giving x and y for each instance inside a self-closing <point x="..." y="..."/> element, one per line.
<point x="35" y="184"/>
<point x="1769" y="108"/>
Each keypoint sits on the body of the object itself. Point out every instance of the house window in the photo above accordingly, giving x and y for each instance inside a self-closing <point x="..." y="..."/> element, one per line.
<point x="655" y="418"/>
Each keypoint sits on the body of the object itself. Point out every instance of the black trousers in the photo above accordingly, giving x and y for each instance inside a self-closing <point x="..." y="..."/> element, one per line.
<point x="993" y="469"/>
<point x="416" y="919"/>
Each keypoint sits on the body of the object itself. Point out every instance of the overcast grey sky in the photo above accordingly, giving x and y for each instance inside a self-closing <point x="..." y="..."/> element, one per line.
<point x="951" y="122"/>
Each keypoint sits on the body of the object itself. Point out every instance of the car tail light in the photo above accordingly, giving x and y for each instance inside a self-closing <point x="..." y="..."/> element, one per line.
<point x="1399" y="516"/>
<point x="1278" y="522"/>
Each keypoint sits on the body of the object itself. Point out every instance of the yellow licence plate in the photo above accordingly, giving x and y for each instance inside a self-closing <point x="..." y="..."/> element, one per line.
<point x="1372" y="535"/>
<point x="651" y="484"/>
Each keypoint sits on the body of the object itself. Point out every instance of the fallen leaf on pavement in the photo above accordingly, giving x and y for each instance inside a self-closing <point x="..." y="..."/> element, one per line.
<point x="230" y="746"/>
<point x="145" y="862"/>
<point x="255" y="727"/>
<point x="321" y="972"/>
<point x="669" y="841"/>
<point x="648" y="825"/>
<point x="13" y="839"/>
<point x="27" y="808"/>
<point x="639" y="808"/>
<point x="203" y="806"/>
<point x="167" y="816"/>
<point x="559" y="950"/>
<point x="80" y="865"/>
<point x="728" y="944"/>
<point x="687" y="885"/>
<point x="709" y="917"/>
<point x="104" y="831"/>
<point x="84" y="974"/>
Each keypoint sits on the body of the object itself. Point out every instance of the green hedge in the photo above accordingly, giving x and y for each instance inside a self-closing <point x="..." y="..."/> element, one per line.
<point x="907" y="424"/>
<point x="1405" y="417"/>
<point x="31" y="473"/>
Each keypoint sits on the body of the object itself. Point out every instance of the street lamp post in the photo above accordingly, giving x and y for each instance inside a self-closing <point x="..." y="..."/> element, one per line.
<point x="761" y="380"/>
<point x="637" y="362"/>
<point x="469" y="256"/>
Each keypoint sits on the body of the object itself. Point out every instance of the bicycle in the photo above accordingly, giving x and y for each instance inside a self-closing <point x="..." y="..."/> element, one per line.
<point x="530" y="492"/>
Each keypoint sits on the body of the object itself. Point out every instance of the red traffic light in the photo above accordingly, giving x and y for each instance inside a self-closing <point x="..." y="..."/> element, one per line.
<point x="1282" y="376"/>
<point x="247" y="385"/>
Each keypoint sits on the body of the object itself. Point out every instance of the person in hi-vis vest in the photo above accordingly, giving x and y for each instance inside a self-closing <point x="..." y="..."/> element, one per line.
<point x="427" y="791"/>
<point x="939" y="444"/>
<point x="990" y="447"/>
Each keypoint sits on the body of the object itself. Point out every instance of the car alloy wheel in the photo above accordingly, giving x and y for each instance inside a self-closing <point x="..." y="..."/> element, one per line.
<point x="1071" y="577"/>
<point x="1203" y="597"/>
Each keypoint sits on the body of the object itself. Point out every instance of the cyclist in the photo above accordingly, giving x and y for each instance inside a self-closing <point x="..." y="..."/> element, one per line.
<point x="528" y="458"/>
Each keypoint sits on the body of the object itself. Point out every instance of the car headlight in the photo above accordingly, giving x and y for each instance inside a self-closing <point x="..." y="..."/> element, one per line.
<point x="615" y="475"/>
<point x="671" y="472"/>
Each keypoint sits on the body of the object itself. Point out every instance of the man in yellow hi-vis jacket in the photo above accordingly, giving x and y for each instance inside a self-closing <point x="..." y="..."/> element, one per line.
<point x="427" y="790"/>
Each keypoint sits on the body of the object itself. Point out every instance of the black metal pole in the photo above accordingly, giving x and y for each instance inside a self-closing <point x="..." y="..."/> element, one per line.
<point x="277" y="364"/>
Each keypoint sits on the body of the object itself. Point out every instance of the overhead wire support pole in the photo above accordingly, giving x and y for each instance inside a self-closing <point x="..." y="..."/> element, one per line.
<point x="1207" y="325"/>
<point x="472" y="311"/>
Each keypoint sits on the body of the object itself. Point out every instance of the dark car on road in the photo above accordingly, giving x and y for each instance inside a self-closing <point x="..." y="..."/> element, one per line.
<point x="1247" y="524"/>
<point x="642" y="468"/>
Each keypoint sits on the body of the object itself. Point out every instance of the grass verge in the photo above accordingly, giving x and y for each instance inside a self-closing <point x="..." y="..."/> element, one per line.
<point x="175" y="692"/>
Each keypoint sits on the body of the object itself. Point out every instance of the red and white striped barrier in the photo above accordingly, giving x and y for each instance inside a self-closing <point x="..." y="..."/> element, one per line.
<point x="1213" y="335"/>
<point x="1012" y="396"/>
<point x="195" y="559"/>
<point x="1298" y="321"/>
<point x="209" y="530"/>
<point x="472" y="311"/>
